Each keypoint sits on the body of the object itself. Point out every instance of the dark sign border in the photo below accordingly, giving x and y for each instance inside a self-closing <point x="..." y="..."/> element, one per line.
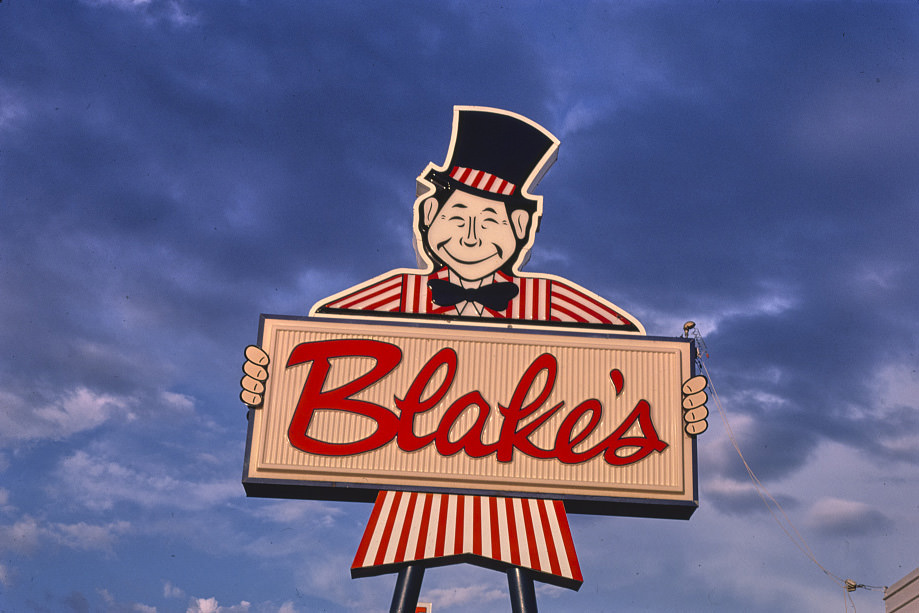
<point x="356" y="492"/>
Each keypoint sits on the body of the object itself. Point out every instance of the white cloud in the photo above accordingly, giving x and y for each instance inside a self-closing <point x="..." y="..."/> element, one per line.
<point x="61" y="415"/>
<point x="12" y="107"/>
<point x="72" y="412"/>
<point x="728" y="487"/>
<point x="210" y="605"/>
<point x="856" y="514"/>
<point x="581" y="117"/>
<point x="174" y="11"/>
<point x="896" y="390"/>
<point x="317" y="513"/>
<point x="546" y="590"/>
<point x="171" y="591"/>
<point x="203" y="605"/>
<point x="178" y="402"/>
<point x="88" y="537"/>
<point x="897" y="385"/>
<point x="837" y="516"/>
<point x="324" y="571"/>
<point x="125" y="4"/>
<point x="772" y="300"/>
<point x="878" y="275"/>
<point x="99" y="483"/>
<point x="543" y="259"/>
<point x="28" y="534"/>
<point x="23" y="536"/>
<point x="80" y="410"/>
<point x="114" y="605"/>
<point x="470" y="595"/>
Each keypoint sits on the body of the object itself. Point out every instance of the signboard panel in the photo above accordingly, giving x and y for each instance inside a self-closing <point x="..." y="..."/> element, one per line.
<point x="353" y="407"/>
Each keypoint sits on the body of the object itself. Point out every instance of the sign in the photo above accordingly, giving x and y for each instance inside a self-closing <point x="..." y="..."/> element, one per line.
<point x="356" y="406"/>
<point x="474" y="402"/>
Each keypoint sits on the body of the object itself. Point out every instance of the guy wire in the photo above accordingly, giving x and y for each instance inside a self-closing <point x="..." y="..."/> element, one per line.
<point x="775" y="508"/>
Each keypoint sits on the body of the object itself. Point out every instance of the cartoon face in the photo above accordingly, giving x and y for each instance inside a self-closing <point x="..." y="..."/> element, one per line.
<point x="473" y="235"/>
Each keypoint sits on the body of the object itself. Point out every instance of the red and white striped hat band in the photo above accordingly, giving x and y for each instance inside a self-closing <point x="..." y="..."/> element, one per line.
<point x="485" y="181"/>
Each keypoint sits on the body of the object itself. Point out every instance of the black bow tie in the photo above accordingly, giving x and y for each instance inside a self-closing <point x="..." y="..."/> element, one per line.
<point x="494" y="296"/>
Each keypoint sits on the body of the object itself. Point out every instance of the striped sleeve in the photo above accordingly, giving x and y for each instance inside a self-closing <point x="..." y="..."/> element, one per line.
<point x="570" y="304"/>
<point x="403" y="292"/>
<point x="385" y="295"/>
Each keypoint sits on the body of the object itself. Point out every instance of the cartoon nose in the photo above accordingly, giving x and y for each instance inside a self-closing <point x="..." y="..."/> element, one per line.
<point x="470" y="239"/>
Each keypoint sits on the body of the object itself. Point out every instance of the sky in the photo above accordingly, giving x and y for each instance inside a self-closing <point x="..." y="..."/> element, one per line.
<point x="171" y="169"/>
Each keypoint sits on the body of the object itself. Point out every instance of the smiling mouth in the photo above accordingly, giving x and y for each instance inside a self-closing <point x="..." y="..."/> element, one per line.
<point x="497" y="252"/>
<point x="472" y="262"/>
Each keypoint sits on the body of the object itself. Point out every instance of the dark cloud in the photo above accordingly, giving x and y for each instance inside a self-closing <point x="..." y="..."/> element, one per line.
<point x="77" y="603"/>
<point x="169" y="170"/>
<point x="152" y="188"/>
<point x="744" y="499"/>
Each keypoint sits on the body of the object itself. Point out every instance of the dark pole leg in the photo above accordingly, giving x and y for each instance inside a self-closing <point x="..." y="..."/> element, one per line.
<point x="408" y="587"/>
<point x="523" y="592"/>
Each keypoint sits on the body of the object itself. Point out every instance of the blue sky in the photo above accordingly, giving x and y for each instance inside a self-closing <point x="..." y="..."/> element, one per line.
<point x="171" y="169"/>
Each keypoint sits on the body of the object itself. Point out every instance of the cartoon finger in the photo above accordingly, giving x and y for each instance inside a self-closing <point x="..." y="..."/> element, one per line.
<point x="695" y="400"/>
<point x="250" y="399"/>
<point x="255" y="371"/>
<point x="252" y="385"/>
<point x="695" y="384"/>
<point x="696" y="428"/>
<point x="256" y="354"/>
<point x="694" y="415"/>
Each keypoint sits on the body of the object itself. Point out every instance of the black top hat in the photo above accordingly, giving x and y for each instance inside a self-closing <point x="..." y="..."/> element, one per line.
<point x="496" y="152"/>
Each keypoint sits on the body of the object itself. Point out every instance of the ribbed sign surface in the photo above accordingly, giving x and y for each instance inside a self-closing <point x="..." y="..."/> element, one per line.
<point x="353" y="407"/>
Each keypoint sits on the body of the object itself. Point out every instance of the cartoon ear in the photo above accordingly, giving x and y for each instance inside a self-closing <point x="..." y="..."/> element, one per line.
<point x="430" y="210"/>
<point x="519" y="220"/>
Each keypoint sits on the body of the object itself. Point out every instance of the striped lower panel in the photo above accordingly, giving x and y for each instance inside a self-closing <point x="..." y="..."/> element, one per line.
<point x="489" y="531"/>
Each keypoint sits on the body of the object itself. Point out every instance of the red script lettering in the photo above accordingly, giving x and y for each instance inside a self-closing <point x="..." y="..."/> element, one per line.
<point x="514" y="435"/>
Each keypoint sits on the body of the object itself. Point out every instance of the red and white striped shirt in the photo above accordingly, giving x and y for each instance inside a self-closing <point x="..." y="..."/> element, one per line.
<point x="495" y="532"/>
<point x="543" y="299"/>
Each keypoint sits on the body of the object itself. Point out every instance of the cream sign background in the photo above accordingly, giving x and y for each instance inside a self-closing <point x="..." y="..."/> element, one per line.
<point x="491" y="362"/>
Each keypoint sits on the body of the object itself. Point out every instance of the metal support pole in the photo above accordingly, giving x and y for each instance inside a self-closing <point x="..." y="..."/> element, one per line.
<point x="408" y="587"/>
<point x="523" y="592"/>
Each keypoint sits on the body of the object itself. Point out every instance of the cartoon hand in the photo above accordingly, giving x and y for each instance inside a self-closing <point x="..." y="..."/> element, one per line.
<point x="253" y="382"/>
<point x="694" y="411"/>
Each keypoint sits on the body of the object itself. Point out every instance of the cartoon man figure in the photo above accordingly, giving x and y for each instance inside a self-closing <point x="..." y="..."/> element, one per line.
<point x="474" y="223"/>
